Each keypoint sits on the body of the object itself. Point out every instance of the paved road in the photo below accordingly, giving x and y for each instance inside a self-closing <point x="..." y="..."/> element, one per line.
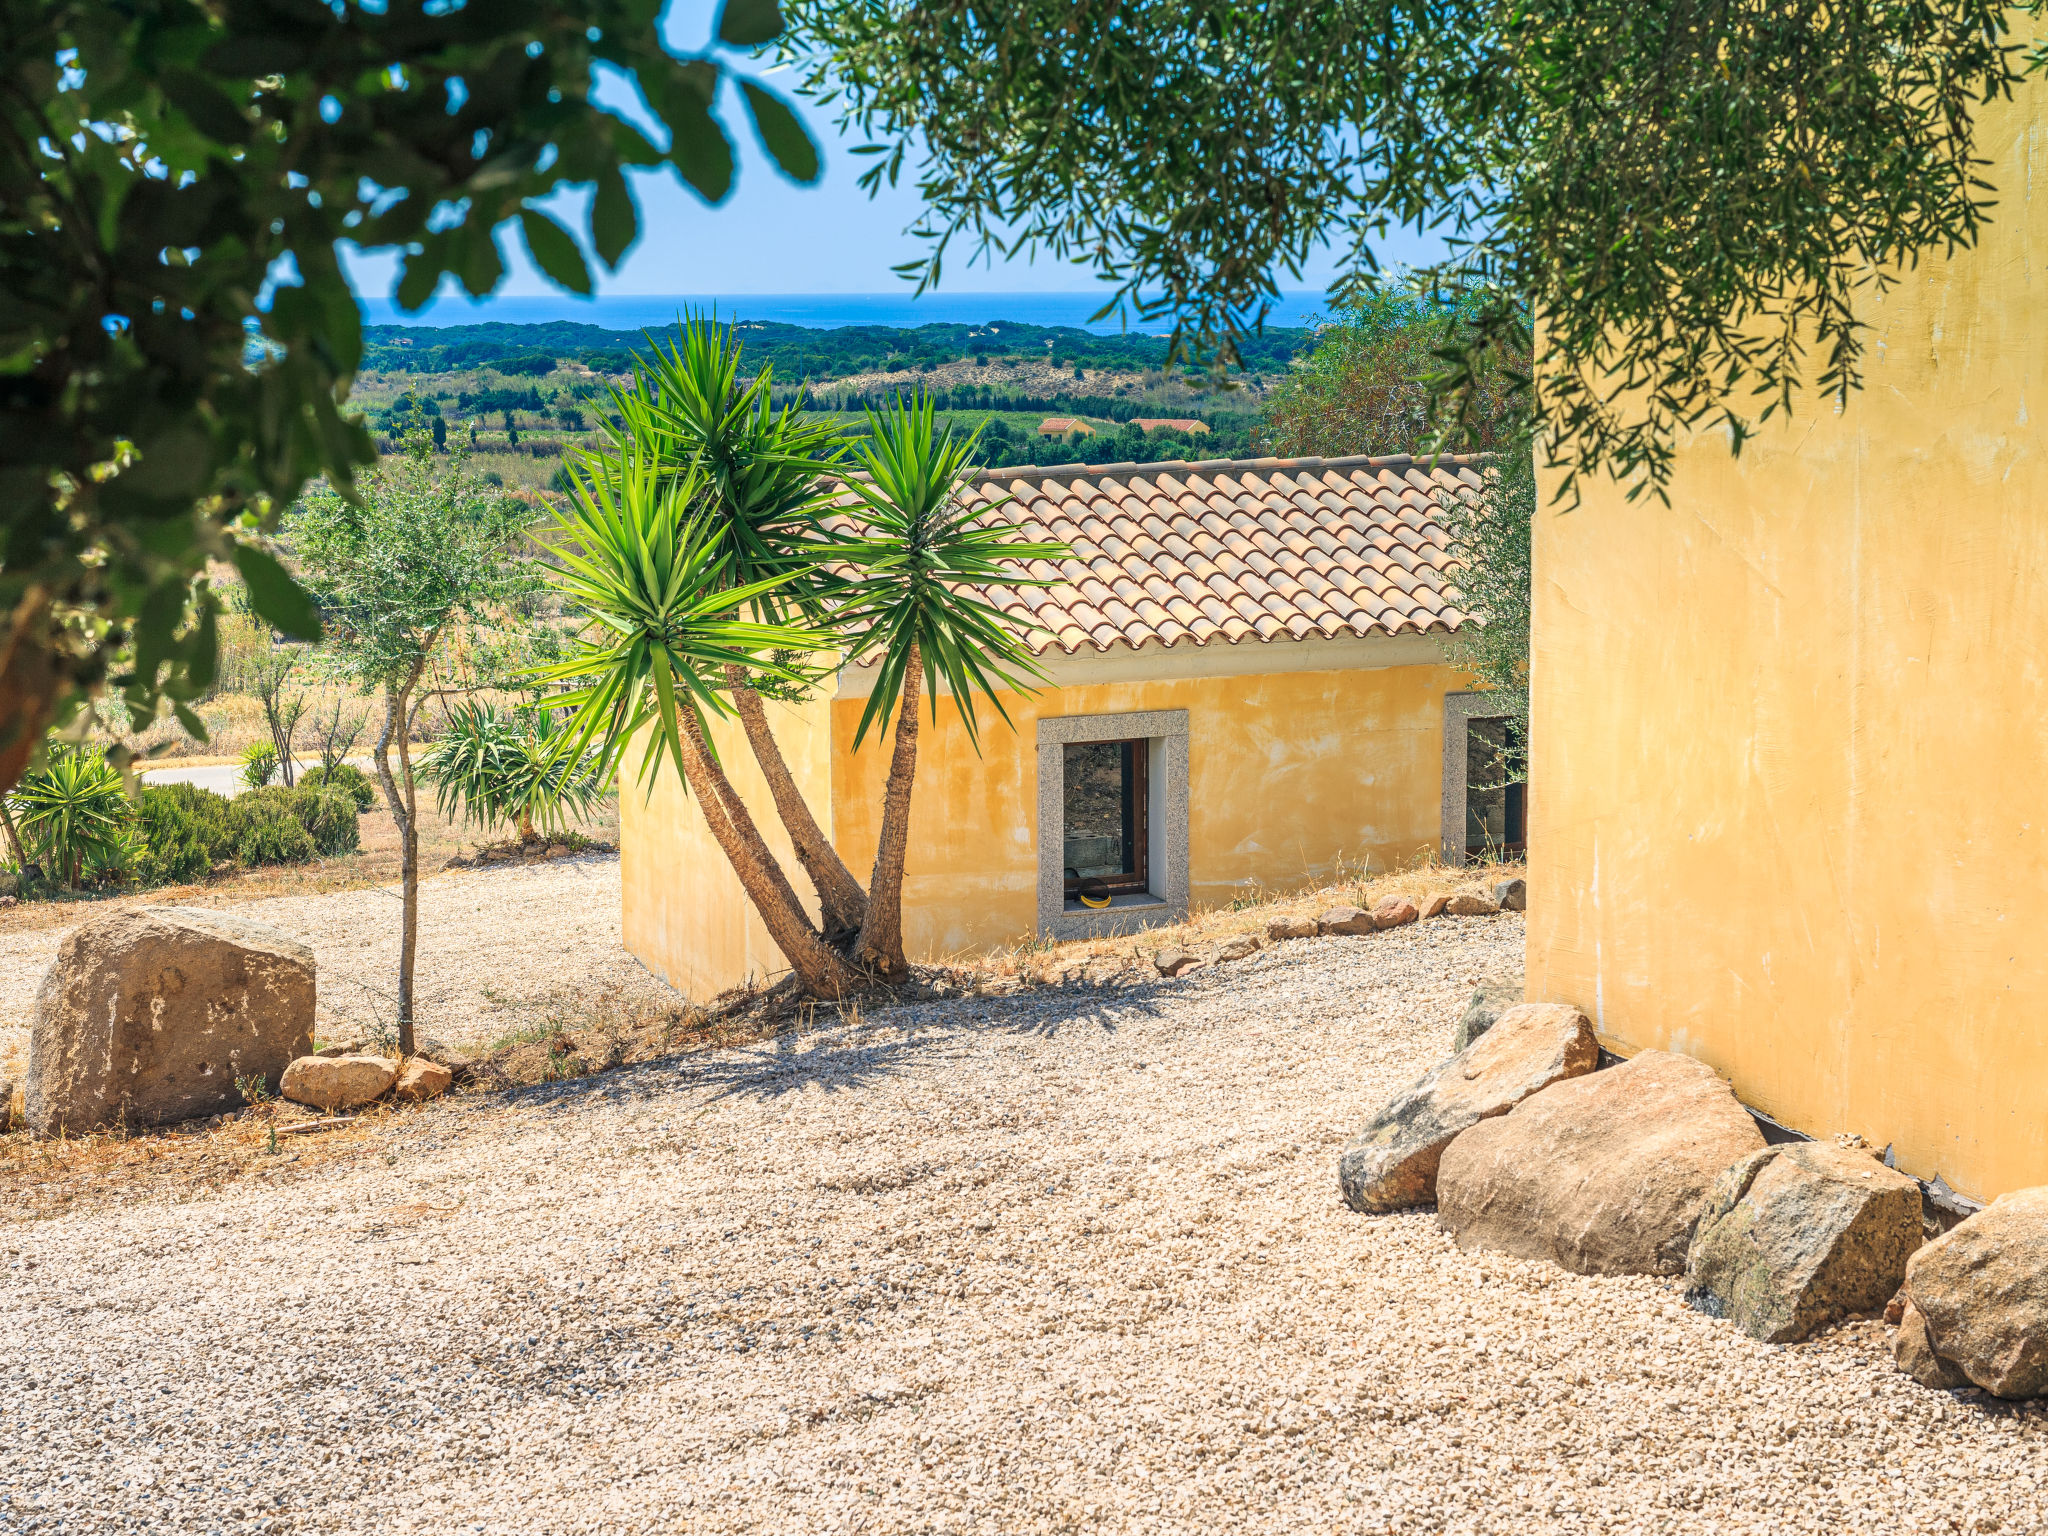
<point x="225" y="778"/>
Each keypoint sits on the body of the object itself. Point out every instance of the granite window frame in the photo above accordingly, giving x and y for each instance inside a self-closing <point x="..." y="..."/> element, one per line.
<point x="1165" y="899"/>
<point x="1460" y="710"/>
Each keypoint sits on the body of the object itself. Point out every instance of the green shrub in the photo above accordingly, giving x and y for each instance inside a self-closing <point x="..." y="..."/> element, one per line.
<point x="267" y="831"/>
<point x="259" y="765"/>
<point x="173" y="844"/>
<point x="347" y="778"/>
<point x="211" y="816"/>
<point x="330" y="819"/>
<point x="326" y="816"/>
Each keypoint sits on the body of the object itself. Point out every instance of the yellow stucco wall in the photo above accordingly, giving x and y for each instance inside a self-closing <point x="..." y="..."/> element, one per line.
<point x="1790" y="735"/>
<point x="684" y="913"/>
<point x="1289" y="774"/>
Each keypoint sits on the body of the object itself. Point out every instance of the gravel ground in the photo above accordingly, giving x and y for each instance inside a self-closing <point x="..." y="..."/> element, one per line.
<point x="495" y="944"/>
<point x="1057" y="1260"/>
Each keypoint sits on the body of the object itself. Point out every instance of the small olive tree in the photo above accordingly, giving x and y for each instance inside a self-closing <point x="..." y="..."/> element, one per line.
<point x="423" y="548"/>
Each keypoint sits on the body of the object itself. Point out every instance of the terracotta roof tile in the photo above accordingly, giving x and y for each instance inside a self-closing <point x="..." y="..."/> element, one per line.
<point x="1267" y="549"/>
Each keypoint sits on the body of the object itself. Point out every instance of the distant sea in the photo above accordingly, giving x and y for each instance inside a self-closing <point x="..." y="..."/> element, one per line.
<point x="819" y="311"/>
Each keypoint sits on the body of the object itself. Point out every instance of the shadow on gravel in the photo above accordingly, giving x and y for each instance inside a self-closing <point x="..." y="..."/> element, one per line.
<point x="852" y="1052"/>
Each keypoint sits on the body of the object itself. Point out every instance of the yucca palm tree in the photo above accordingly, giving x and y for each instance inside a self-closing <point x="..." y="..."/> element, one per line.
<point x="503" y="767"/>
<point x="764" y="492"/>
<point x="635" y="551"/>
<point x="922" y="553"/>
<point x="74" y="813"/>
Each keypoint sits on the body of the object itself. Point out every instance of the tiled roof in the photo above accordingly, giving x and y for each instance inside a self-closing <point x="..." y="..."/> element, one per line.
<point x="1233" y="549"/>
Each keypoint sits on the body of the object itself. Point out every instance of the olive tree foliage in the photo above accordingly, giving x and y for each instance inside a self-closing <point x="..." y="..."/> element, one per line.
<point x="422" y="553"/>
<point x="1490" y="534"/>
<point x="1698" y="197"/>
<point x="162" y="163"/>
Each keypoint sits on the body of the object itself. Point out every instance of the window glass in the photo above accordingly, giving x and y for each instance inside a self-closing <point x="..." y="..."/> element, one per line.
<point x="1099" y="809"/>
<point x="1493" y="791"/>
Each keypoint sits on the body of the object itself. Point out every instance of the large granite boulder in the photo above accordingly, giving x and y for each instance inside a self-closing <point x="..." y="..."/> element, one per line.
<point x="1391" y="1165"/>
<point x="1604" y="1174"/>
<point x="1489" y="1000"/>
<point x="1799" y="1236"/>
<point x="1981" y="1291"/>
<point x="154" y="1015"/>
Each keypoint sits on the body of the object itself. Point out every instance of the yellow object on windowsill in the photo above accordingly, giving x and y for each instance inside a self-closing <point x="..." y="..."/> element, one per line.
<point x="1097" y="902"/>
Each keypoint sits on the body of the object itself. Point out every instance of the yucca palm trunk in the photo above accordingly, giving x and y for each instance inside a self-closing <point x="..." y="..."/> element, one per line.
<point x="820" y="969"/>
<point x="881" y="935"/>
<point x="842" y="904"/>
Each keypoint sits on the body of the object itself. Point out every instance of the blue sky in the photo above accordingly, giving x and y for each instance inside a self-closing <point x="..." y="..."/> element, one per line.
<point x="771" y="236"/>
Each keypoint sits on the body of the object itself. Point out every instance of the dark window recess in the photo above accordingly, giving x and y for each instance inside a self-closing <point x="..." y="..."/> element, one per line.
<point x="1496" y="797"/>
<point x="1105" y="817"/>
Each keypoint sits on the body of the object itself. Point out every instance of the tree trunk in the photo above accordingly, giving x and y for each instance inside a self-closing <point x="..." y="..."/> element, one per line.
<point x="738" y="816"/>
<point x="842" y="904"/>
<point x="29" y="685"/>
<point x="14" y="842"/>
<point x="399" y="796"/>
<point x="881" y="936"/>
<point x="820" y="969"/>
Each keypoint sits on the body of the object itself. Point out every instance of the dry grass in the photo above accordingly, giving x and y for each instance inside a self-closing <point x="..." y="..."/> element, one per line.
<point x="1086" y="959"/>
<point x="42" y="1177"/>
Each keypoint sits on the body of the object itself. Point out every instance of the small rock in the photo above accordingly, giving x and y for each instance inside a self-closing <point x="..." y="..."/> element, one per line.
<point x="1345" y="920"/>
<point x="1982" y="1290"/>
<point x="354" y="1045"/>
<point x="1239" y="948"/>
<point x="1512" y="895"/>
<point x="1392" y="1164"/>
<point x="1291" y="928"/>
<point x="1895" y="1309"/>
<point x="1796" y="1237"/>
<point x="10" y="901"/>
<point x="338" y="1082"/>
<point x="1434" y="906"/>
<point x="162" y="1013"/>
<point x="1488" y="1001"/>
<point x="1393" y="911"/>
<point x="1913" y="1353"/>
<point x="6" y="1106"/>
<point x="1471" y="904"/>
<point x="1176" y="962"/>
<point x="1603" y="1174"/>
<point x="423" y="1079"/>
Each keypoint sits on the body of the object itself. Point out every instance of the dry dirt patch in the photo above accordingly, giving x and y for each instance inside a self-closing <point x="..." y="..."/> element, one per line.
<point x="1069" y="1259"/>
<point x="498" y="946"/>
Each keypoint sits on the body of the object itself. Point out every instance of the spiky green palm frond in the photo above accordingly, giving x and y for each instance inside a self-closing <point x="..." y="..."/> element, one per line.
<point x="634" y="551"/>
<point x="921" y="557"/>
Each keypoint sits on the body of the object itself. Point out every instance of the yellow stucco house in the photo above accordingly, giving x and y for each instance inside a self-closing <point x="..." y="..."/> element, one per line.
<point x="1791" y="732"/>
<point x="1247" y="687"/>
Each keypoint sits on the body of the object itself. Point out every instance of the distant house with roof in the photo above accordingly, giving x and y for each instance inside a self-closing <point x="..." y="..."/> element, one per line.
<point x="1064" y="426"/>
<point x="1186" y="424"/>
<point x="1246" y="686"/>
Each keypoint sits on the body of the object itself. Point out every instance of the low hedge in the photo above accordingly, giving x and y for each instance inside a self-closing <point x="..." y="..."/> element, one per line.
<point x="347" y="777"/>
<point x="186" y="830"/>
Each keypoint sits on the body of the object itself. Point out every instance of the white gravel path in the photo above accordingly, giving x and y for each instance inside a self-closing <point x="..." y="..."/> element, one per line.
<point x="494" y="944"/>
<point x="1055" y="1261"/>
